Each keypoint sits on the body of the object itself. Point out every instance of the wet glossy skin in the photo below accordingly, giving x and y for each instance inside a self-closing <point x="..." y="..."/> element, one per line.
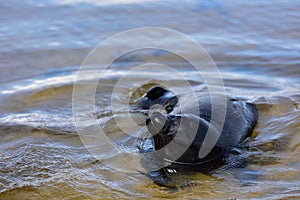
<point x="241" y="118"/>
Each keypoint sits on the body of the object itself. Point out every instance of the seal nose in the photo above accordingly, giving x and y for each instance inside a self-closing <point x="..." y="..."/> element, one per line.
<point x="156" y="122"/>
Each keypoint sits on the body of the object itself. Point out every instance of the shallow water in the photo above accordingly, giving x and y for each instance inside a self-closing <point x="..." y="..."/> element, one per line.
<point x="256" y="46"/>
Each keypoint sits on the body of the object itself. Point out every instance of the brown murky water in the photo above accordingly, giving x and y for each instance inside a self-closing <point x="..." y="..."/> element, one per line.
<point x="255" y="45"/>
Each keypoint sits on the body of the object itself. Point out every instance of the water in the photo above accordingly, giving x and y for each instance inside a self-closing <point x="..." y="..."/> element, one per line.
<point x="256" y="46"/>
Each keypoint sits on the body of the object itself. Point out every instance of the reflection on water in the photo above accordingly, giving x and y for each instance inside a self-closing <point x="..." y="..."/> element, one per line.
<point x="255" y="44"/>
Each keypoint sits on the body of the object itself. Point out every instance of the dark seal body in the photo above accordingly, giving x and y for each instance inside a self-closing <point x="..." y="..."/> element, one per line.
<point x="240" y="120"/>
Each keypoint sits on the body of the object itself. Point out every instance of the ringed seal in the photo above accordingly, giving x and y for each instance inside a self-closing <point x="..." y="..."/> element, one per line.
<point x="240" y="120"/>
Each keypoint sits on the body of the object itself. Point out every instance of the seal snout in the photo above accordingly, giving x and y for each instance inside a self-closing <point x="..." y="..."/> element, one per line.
<point x="156" y="123"/>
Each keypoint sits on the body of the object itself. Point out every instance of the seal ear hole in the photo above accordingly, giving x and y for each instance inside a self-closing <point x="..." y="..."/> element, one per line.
<point x="156" y="92"/>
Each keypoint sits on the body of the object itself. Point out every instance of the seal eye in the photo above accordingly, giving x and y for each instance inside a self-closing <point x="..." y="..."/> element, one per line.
<point x="169" y="108"/>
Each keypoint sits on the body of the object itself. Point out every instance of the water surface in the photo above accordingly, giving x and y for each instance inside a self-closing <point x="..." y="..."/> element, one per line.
<point x="256" y="46"/>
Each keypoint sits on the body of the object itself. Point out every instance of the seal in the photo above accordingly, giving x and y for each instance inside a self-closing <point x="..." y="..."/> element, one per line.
<point x="240" y="121"/>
